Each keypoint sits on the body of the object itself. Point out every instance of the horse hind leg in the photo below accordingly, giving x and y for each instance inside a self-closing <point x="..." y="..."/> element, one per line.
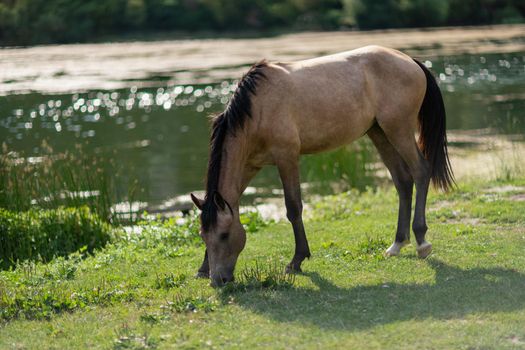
<point x="404" y="185"/>
<point x="402" y="139"/>
<point x="419" y="225"/>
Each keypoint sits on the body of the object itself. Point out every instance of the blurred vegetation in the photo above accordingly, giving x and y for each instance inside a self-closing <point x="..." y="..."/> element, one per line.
<point x="45" y="234"/>
<point x="24" y="22"/>
<point x="69" y="179"/>
<point x="346" y="168"/>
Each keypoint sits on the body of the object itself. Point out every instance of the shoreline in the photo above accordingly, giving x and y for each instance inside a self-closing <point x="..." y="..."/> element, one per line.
<point x="54" y="69"/>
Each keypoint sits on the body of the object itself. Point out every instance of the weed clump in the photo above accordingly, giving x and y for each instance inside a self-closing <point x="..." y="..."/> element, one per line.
<point x="371" y="248"/>
<point x="128" y="339"/>
<point x="42" y="300"/>
<point x="169" y="280"/>
<point x="167" y="236"/>
<point x="45" y="234"/>
<point x="269" y="276"/>
<point x="181" y="304"/>
<point x="253" y="221"/>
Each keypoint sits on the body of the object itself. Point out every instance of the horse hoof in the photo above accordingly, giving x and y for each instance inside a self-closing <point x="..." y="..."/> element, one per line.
<point x="290" y="269"/>
<point x="424" y="250"/>
<point x="202" y="274"/>
<point x="395" y="248"/>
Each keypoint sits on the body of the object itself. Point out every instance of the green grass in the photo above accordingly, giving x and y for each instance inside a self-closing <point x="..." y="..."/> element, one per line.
<point x="139" y="292"/>
<point x="44" y="234"/>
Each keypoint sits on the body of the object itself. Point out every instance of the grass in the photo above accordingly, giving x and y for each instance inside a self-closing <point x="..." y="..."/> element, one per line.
<point x="45" y="234"/>
<point x="139" y="292"/>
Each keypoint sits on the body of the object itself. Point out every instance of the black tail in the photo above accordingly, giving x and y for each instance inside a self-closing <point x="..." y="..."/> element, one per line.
<point x="433" y="135"/>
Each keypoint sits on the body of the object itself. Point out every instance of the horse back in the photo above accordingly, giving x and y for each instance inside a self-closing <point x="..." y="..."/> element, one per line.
<point x="322" y="103"/>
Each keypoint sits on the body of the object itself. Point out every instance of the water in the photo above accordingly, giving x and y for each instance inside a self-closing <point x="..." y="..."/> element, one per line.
<point x="159" y="134"/>
<point x="484" y="91"/>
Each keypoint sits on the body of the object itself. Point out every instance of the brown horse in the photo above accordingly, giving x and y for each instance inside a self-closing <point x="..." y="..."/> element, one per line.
<point x="282" y="110"/>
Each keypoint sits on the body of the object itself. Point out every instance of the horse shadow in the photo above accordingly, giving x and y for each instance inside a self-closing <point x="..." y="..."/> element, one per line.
<point x="454" y="294"/>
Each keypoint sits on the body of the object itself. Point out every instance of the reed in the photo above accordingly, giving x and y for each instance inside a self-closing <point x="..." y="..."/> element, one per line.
<point x="69" y="179"/>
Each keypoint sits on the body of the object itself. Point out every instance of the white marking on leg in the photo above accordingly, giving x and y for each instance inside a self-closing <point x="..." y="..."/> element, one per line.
<point x="424" y="249"/>
<point x="395" y="248"/>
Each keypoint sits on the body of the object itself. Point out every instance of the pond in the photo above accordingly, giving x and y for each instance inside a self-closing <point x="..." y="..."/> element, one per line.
<point x="157" y="133"/>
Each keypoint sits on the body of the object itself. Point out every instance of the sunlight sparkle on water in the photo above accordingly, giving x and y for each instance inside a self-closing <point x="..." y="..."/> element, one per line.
<point x="94" y="107"/>
<point x="81" y="115"/>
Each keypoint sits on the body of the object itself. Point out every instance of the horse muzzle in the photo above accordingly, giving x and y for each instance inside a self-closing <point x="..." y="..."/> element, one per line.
<point x="219" y="279"/>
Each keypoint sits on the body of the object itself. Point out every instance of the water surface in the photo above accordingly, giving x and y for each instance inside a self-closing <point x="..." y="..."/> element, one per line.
<point x="158" y="132"/>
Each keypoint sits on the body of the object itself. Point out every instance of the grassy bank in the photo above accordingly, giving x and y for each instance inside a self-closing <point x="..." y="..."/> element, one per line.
<point x="138" y="292"/>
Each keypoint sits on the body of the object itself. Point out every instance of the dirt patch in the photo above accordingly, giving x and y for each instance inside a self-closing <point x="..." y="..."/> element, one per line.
<point x="518" y="198"/>
<point x="505" y="189"/>
<point x="440" y="205"/>
<point x="467" y="221"/>
<point x="488" y="156"/>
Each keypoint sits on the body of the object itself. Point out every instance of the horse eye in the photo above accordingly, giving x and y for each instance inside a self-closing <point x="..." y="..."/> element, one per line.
<point x="224" y="236"/>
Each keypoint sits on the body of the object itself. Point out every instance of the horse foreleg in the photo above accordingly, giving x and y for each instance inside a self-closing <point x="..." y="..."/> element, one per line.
<point x="204" y="270"/>
<point x="289" y="173"/>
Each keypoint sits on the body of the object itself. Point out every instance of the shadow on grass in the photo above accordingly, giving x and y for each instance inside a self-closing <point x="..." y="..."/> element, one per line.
<point x="456" y="293"/>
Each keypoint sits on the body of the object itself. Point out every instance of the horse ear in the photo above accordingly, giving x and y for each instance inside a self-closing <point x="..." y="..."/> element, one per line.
<point x="219" y="201"/>
<point x="198" y="202"/>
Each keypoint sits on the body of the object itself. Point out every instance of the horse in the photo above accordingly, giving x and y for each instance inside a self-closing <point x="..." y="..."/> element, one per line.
<point x="282" y="110"/>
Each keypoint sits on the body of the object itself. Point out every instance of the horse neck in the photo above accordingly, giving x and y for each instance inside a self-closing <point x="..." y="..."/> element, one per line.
<point x="233" y="179"/>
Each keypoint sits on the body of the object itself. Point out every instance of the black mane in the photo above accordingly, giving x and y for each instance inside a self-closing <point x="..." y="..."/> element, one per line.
<point x="239" y="108"/>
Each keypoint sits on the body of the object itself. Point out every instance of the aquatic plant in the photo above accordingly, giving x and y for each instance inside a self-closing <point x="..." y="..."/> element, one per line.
<point x="69" y="179"/>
